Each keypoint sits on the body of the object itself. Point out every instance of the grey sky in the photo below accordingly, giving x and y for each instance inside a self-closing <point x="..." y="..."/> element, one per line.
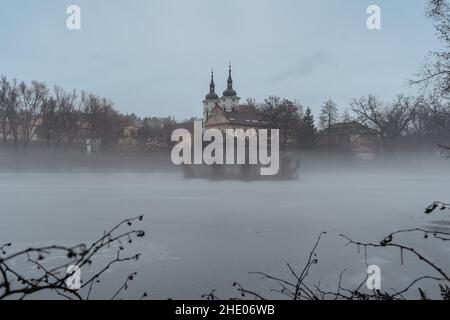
<point x="154" y="57"/>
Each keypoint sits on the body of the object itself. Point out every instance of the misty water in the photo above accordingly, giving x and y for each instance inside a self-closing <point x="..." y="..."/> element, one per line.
<point x="204" y="235"/>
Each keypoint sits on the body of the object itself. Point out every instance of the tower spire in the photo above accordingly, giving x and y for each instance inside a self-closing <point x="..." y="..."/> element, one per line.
<point x="212" y="88"/>
<point x="212" y="85"/>
<point x="230" y="91"/>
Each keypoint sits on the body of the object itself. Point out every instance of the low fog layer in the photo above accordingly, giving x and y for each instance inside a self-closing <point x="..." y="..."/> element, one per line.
<point x="205" y="235"/>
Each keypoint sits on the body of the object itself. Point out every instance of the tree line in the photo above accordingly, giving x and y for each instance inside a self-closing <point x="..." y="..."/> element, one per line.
<point x="405" y="122"/>
<point x="63" y="118"/>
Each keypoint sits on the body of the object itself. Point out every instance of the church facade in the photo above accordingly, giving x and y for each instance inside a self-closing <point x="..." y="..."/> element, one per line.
<point x="226" y="112"/>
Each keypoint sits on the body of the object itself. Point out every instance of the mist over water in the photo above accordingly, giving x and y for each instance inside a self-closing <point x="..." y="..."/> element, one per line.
<point x="204" y="235"/>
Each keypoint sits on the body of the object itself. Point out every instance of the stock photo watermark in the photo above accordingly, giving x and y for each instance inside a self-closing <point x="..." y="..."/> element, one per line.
<point x="374" y="20"/>
<point x="373" y="281"/>
<point x="73" y="281"/>
<point x="73" y="21"/>
<point x="234" y="140"/>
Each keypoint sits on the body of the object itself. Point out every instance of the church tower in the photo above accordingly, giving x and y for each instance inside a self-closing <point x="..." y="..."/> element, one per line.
<point x="229" y="101"/>
<point x="211" y="99"/>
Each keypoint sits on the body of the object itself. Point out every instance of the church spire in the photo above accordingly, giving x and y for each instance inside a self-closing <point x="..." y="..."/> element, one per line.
<point x="230" y="91"/>
<point x="212" y="88"/>
<point x="212" y="85"/>
<point x="230" y="80"/>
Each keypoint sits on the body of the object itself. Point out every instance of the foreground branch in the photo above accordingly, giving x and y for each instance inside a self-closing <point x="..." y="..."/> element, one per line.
<point x="51" y="277"/>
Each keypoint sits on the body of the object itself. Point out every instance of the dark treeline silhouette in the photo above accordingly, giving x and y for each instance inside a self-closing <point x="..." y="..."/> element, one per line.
<point x="405" y="123"/>
<point x="33" y="113"/>
<point x="60" y="119"/>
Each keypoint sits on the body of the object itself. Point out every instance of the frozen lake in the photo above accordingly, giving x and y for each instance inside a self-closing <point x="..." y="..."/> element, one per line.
<point x="204" y="235"/>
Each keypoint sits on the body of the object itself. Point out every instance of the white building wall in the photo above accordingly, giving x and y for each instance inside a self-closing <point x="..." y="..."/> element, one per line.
<point x="208" y="105"/>
<point x="228" y="103"/>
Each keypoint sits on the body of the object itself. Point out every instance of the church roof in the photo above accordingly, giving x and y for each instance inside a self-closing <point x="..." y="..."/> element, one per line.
<point x="243" y="116"/>
<point x="212" y="96"/>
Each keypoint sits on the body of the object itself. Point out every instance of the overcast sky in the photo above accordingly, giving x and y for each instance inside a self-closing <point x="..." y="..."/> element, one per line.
<point x="153" y="57"/>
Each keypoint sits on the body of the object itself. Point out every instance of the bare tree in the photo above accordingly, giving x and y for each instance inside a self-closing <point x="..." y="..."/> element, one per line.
<point x="48" y="127"/>
<point x="103" y="121"/>
<point x="32" y="100"/>
<point x="328" y="115"/>
<point x="270" y="107"/>
<point x="283" y="114"/>
<point x="288" y="121"/>
<point x="346" y="117"/>
<point x="431" y="123"/>
<point x="435" y="72"/>
<point x="436" y="119"/>
<point x="251" y="102"/>
<point x="299" y="287"/>
<point x="328" y="118"/>
<point x="60" y="118"/>
<point x="52" y="277"/>
<point x="4" y="93"/>
<point x="69" y="116"/>
<point x="389" y="121"/>
<point x="10" y="110"/>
